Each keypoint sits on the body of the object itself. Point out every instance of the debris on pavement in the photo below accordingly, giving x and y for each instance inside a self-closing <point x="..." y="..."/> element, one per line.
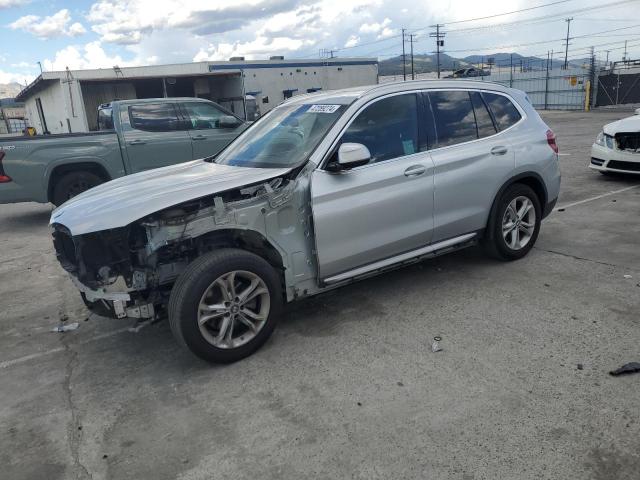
<point x="139" y="325"/>
<point x="435" y="346"/>
<point x="66" y="327"/>
<point x="628" y="276"/>
<point x="580" y="366"/>
<point x="632" y="367"/>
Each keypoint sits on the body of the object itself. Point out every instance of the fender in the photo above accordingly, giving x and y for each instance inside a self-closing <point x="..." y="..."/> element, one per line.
<point x="533" y="180"/>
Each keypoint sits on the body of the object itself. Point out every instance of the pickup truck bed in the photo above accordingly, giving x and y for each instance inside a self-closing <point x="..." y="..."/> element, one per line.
<point x="147" y="133"/>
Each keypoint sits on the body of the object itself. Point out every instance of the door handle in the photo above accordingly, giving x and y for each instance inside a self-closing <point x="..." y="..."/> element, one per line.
<point x="199" y="137"/>
<point x="414" y="171"/>
<point x="137" y="142"/>
<point x="498" y="150"/>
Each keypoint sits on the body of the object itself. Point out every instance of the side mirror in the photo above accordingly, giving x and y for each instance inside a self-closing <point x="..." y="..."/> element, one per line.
<point x="228" y="121"/>
<point x="353" y="155"/>
<point x="637" y="111"/>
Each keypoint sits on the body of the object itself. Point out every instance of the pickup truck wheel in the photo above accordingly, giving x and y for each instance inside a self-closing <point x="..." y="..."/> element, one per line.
<point x="516" y="223"/>
<point x="225" y="305"/>
<point x="72" y="184"/>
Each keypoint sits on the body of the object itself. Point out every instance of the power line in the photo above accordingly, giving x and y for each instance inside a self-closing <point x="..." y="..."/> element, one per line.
<point x="504" y="13"/>
<point x="559" y="15"/>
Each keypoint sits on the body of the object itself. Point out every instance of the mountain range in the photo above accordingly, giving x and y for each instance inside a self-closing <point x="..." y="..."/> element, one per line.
<point x="426" y="63"/>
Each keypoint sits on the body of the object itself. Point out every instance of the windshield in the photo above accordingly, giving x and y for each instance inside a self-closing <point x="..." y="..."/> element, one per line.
<point x="285" y="137"/>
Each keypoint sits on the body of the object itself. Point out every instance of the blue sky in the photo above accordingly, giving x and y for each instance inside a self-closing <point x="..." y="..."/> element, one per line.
<point x="104" y="33"/>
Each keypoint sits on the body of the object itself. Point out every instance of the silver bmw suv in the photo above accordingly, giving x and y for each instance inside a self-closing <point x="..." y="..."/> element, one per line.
<point x="324" y="190"/>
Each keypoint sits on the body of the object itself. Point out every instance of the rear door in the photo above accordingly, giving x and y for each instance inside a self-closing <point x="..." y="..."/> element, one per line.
<point x="472" y="159"/>
<point x="208" y="137"/>
<point x="381" y="209"/>
<point x="157" y="137"/>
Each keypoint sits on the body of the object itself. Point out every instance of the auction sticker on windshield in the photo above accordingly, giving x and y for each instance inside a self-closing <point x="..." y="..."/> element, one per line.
<point x="323" y="108"/>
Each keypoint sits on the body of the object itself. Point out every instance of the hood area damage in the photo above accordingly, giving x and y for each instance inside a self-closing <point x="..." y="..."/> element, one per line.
<point x="134" y="266"/>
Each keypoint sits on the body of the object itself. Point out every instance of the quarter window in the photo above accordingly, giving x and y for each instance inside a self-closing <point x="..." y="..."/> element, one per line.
<point x="453" y="116"/>
<point x="486" y="128"/>
<point x="504" y="112"/>
<point x="152" y="117"/>
<point x="388" y="128"/>
<point x="203" y="116"/>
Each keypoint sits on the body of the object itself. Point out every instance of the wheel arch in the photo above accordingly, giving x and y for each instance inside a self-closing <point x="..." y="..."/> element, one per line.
<point x="85" y="166"/>
<point x="532" y="180"/>
<point x="244" y="239"/>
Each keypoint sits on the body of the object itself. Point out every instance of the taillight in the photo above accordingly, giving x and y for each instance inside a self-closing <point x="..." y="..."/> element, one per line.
<point x="4" y="178"/>
<point x="551" y="140"/>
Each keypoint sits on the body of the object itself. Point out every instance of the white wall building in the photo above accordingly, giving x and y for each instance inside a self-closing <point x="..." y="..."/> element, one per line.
<point x="67" y="101"/>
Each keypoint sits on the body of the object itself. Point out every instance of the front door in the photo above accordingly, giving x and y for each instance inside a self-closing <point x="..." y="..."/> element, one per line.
<point x="381" y="209"/>
<point x="157" y="137"/>
<point x="208" y="137"/>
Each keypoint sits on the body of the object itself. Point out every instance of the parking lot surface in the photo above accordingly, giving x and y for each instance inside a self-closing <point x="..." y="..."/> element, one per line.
<point x="348" y="386"/>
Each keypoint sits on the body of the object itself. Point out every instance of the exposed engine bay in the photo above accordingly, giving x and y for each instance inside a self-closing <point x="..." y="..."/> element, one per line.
<point x="129" y="271"/>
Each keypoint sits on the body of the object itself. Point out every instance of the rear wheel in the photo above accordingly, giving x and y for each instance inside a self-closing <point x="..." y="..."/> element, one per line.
<point x="225" y="305"/>
<point x="72" y="184"/>
<point x="516" y="223"/>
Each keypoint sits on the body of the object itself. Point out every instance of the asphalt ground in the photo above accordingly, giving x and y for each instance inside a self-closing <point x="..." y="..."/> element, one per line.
<point x="348" y="386"/>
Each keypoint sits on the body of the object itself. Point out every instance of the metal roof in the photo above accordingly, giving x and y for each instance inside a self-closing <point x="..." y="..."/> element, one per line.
<point x="181" y="70"/>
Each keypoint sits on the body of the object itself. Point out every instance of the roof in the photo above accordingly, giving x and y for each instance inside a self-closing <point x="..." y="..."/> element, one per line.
<point x="182" y="69"/>
<point x="347" y="95"/>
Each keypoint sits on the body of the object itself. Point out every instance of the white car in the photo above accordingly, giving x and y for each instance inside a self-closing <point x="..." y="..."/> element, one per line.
<point x="617" y="147"/>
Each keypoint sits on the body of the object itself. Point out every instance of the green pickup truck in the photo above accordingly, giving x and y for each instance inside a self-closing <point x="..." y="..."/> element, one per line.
<point x="134" y="135"/>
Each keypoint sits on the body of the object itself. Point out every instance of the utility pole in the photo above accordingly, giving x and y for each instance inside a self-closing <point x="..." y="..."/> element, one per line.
<point x="404" y="62"/>
<point x="566" y="47"/>
<point x="413" y="76"/>
<point x="551" y="66"/>
<point x="438" y="35"/>
<point x="624" y="59"/>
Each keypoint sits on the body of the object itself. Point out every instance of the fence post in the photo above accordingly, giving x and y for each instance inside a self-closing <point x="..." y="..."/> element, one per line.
<point x="592" y="81"/>
<point x="546" y="85"/>
<point x="511" y="72"/>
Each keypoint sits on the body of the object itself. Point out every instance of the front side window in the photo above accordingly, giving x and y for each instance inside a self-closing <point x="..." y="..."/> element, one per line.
<point x="453" y="116"/>
<point x="154" y="117"/>
<point x="203" y="116"/>
<point x="285" y="137"/>
<point x="504" y="112"/>
<point x="388" y="128"/>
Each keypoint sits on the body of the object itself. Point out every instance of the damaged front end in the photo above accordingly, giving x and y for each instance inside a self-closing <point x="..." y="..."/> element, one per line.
<point x="129" y="271"/>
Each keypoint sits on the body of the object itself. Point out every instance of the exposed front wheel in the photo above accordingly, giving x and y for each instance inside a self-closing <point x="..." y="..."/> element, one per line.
<point x="225" y="305"/>
<point x="516" y="223"/>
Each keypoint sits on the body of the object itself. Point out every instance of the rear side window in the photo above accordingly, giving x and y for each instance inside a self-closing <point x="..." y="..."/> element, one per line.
<point x="453" y="117"/>
<point x="388" y="128"/>
<point x="486" y="128"/>
<point x="154" y="117"/>
<point x="504" y="112"/>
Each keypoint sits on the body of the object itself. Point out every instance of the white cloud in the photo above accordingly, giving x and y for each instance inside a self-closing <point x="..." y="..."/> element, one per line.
<point x="352" y="41"/>
<point x="56" y="25"/>
<point x="128" y="21"/>
<point x="11" y="77"/>
<point x="12" y="3"/>
<point x="259" y="48"/>
<point x="374" y="27"/>
<point x="92" y="55"/>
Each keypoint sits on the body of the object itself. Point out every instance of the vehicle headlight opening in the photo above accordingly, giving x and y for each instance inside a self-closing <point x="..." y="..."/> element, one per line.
<point x="600" y="139"/>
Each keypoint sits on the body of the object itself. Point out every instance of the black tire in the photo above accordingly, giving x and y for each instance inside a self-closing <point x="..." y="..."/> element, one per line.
<point x="191" y="286"/>
<point x="72" y="184"/>
<point x="494" y="241"/>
